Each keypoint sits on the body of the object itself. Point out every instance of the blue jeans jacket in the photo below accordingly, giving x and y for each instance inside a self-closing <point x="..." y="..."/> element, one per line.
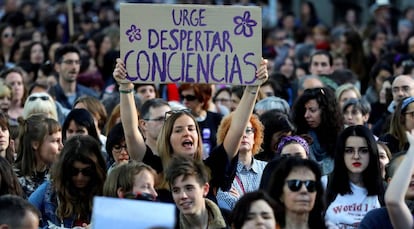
<point x="45" y="200"/>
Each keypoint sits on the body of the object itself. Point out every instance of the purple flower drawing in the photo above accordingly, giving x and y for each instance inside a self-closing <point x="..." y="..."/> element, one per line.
<point x="244" y="25"/>
<point x="134" y="33"/>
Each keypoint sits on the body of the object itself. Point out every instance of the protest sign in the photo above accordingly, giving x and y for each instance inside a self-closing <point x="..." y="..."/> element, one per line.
<point x="130" y="214"/>
<point x="163" y="43"/>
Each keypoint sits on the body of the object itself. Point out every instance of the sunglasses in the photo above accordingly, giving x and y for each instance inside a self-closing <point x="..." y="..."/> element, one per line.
<point x="139" y="196"/>
<point x="171" y="112"/>
<point x="296" y="185"/>
<point x="88" y="172"/>
<point x="7" y="35"/>
<point x="43" y="97"/>
<point x="189" y="97"/>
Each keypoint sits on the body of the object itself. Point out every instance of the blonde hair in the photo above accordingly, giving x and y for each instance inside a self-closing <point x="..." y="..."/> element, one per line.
<point x="36" y="104"/>
<point x="346" y="87"/>
<point x="5" y="90"/>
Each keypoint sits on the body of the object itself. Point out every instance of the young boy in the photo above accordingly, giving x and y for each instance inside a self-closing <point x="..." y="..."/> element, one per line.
<point x="188" y="180"/>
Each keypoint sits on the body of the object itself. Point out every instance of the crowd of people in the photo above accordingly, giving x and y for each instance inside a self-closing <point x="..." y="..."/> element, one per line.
<point x="324" y="140"/>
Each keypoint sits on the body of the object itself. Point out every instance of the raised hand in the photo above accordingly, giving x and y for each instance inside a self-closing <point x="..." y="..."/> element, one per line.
<point x="120" y="71"/>
<point x="261" y="73"/>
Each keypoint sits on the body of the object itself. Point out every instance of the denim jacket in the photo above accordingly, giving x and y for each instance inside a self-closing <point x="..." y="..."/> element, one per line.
<point x="44" y="199"/>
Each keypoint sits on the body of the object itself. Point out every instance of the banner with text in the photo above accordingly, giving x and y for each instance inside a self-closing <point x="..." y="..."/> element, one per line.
<point x="191" y="43"/>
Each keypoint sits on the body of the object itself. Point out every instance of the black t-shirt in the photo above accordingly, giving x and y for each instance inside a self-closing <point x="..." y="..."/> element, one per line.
<point x="208" y="128"/>
<point x="152" y="160"/>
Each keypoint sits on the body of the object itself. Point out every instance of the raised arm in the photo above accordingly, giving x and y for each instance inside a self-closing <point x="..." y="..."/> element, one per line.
<point x="241" y="114"/>
<point x="398" y="211"/>
<point x="129" y="115"/>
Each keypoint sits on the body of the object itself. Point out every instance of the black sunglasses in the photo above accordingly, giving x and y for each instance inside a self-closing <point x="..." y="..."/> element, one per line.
<point x="7" y="35"/>
<point x="189" y="97"/>
<point x="139" y="196"/>
<point x="43" y="97"/>
<point x="171" y="112"/>
<point x="296" y="185"/>
<point x="88" y="172"/>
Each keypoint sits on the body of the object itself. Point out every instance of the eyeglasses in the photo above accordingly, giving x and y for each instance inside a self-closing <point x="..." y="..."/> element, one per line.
<point x="7" y="35"/>
<point x="189" y="97"/>
<point x="139" y="196"/>
<point x="249" y="130"/>
<point x="43" y="97"/>
<point x="118" y="148"/>
<point x="171" y="112"/>
<point x="70" y="62"/>
<point x="88" y="172"/>
<point x="159" y="119"/>
<point x="296" y="185"/>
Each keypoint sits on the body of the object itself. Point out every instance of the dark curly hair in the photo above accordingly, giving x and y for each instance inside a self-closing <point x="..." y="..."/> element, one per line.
<point x="331" y="118"/>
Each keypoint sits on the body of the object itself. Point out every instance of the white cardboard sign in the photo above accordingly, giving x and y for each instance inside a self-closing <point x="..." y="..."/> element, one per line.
<point x="110" y="213"/>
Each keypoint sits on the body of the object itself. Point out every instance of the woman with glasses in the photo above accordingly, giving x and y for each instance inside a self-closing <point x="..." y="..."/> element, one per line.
<point x="297" y="189"/>
<point x="355" y="185"/>
<point x="316" y="113"/>
<point x="240" y="146"/>
<point x="133" y="180"/>
<point x="180" y="134"/>
<point x="66" y="200"/>
<point x="40" y="143"/>
<point x="116" y="147"/>
<point x="402" y="120"/>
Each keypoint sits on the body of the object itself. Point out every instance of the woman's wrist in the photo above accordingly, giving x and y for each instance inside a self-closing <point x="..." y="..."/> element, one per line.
<point x="126" y="88"/>
<point x="253" y="89"/>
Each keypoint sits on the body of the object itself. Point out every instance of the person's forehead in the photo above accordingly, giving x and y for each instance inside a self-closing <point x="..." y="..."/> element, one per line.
<point x="159" y="110"/>
<point x="403" y="80"/>
<point x="71" y="55"/>
<point x="185" y="180"/>
<point x="320" y="58"/>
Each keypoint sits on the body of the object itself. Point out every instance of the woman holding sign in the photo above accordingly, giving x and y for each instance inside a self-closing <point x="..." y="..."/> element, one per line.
<point x="180" y="134"/>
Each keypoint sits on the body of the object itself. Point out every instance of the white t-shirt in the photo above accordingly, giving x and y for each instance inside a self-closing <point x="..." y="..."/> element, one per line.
<point x="347" y="211"/>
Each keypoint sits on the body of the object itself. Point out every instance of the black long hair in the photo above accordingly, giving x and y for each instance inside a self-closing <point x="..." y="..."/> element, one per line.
<point x="339" y="179"/>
